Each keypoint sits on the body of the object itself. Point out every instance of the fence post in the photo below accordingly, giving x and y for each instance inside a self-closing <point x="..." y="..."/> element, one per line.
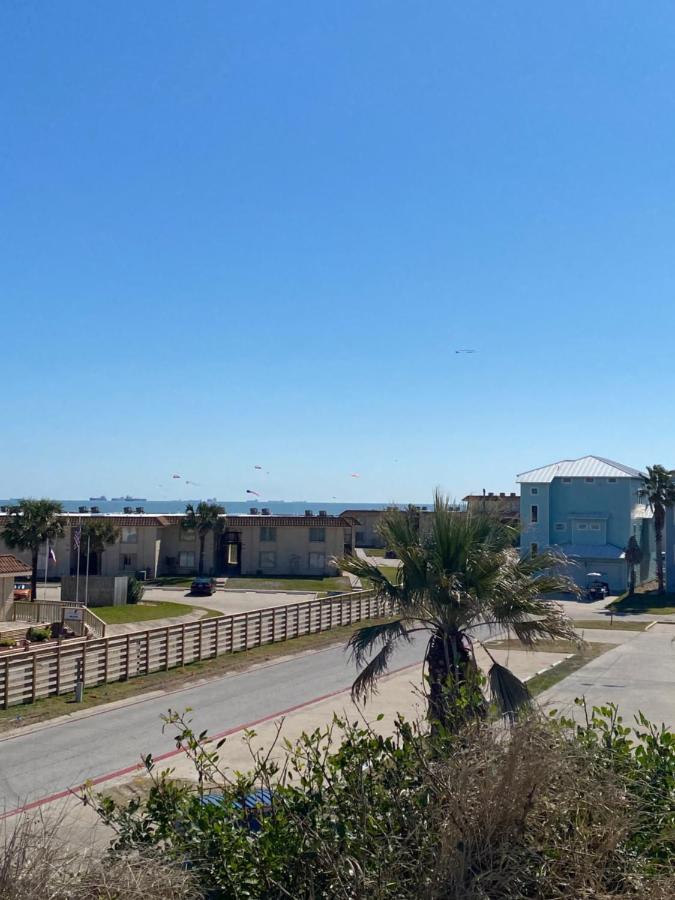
<point x="106" y="660"/>
<point x="231" y="630"/>
<point x="246" y="615"/>
<point x="58" y="669"/>
<point x="216" y="625"/>
<point x="147" y="652"/>
<point x="34" y="677"/>
<point x="260" y="636"/>
<point x="84" y="663"/>
<point x="128" y="659"/>
<point x="201" y="638"/>
<point x="6" y="703"/>
<point x="166" y="638"/>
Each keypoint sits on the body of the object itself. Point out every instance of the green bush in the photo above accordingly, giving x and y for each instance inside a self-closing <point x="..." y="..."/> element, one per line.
<point x="38" y="634"/>
<point x="7" y="642"/>
<point x="540" y="809"/>
<point x="135" y="590"/>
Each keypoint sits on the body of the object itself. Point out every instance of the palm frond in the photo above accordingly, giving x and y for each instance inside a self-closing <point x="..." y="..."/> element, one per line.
<point x="508" y="692"/>
<point x="365" y="682"/>
<point x="388" y="634"/>
<point x="366" y="639"/>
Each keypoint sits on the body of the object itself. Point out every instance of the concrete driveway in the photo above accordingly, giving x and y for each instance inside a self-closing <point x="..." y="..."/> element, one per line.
<point x="638" y="675"/>
<point x="228" y="602"/>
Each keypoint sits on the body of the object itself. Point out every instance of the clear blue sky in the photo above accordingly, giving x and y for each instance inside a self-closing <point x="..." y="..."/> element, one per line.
<point x="255" y="233"/>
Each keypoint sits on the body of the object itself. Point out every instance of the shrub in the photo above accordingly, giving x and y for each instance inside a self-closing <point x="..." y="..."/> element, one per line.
<point x="39" y="634"/>
<point x="7" y="642"/>
<point x="541" y="809"/>
<point x="135" y="590"/>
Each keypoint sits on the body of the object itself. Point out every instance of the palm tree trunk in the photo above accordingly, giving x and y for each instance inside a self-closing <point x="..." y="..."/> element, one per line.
<point x="631" y="580"/>
<point x="451" y="670"/>
<point x="202" y="540"/>
<point x="33" y="574"/>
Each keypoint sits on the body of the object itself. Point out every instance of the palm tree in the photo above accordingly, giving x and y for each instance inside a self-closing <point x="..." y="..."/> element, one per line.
<point x="455" y="584"/>
<point x="97" y="534"/>
<point x="633" y="553"/>
<point x="30" y="524"/>
<point x="204" y="519"/>
<point x="659" y="491"/>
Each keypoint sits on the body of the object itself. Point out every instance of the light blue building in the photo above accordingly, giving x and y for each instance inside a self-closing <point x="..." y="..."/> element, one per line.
<point x="587" y="508"/>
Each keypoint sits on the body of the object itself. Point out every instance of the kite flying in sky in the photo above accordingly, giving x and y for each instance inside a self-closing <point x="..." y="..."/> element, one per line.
<point x="175" y="476"/>
<point x="354" y="475"/>
<point x="249" y="491"/>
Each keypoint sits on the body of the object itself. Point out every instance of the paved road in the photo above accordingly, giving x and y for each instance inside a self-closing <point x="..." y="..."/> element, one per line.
<point x="64" y="754"/>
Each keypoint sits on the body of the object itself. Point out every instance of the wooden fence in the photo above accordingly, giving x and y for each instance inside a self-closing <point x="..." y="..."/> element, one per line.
<point x="26" y="676"/>
<point x="51" y="611"/>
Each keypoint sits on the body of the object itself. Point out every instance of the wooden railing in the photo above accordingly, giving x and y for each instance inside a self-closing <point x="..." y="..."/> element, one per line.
<point x="26" y="676"/>
<point x="52" y="611"/>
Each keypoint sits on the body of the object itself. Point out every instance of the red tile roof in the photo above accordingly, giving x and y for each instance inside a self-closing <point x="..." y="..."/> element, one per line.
<point x="158" y="521"/>
<point x="10" y="565"/>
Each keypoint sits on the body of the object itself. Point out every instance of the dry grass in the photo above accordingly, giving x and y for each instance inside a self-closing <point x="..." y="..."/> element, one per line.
<point x="37" y="865"/>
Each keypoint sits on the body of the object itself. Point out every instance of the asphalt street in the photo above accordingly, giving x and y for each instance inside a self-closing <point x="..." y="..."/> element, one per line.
<point x="64" y="754"/>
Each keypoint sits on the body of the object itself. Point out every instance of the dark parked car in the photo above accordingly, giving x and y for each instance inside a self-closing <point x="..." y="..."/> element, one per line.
<point x="203" y="586"/>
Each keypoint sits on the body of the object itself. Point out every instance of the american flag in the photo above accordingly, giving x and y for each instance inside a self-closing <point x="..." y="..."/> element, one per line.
<point x="77" y="537"/>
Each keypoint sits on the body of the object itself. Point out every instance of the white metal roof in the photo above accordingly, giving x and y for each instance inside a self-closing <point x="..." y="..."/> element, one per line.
<point x="585" y="467"/>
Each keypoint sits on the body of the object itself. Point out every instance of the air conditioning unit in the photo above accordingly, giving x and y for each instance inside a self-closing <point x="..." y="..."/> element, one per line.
<point x="95" y="509"/>
<point x="265" y="511"/>
<point x="308" y="512"/>
<point x="140" y="510"/>
<point x="322" y="512"/>
<point x="254" y="510"/>
<point x="83" y="509"/>
<point x="128" y="510"/>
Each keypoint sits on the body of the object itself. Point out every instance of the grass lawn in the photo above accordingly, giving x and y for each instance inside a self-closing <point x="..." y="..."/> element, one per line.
<point x="609" y="625"/>
<point x="374" y="551"/>
<point x="144" y="612"/>
<point x="389" y="571"/>
<point x="288" y="584"/>
<point x="173" y="679"/>
<point x="644" y="602"/>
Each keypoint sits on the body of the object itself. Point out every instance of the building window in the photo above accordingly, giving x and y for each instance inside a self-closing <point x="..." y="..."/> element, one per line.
<point x="317" y="561"/>
<point x="560" y="526"/>
<point x="567" y="481"/>
<point x="268" y="533"/>
<point x="534" y="490"/>
<point x="595" y="526"/>
<point x="267" y="560"/>
<point x="129" y="536"/>
<point x="317" y="535"/>
<point x="582" y="526"/>
<point x="186" y="559"/>
<point x="534" y="514"/>
<point x="534" y="549"/>
<point x="127" y="561"/>
<point x="611" y="481"/>
<point x="589" y="480"/>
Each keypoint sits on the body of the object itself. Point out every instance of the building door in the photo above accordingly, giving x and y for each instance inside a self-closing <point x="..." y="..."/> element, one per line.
<point x="229" y="554"/>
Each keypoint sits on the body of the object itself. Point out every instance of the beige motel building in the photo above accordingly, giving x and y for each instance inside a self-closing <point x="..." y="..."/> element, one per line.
<point x="251" y="544"/>
<point x="11" y="568"/>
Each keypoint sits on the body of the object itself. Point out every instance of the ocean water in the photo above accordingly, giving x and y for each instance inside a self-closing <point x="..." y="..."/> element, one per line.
<point x="277" y="507"/>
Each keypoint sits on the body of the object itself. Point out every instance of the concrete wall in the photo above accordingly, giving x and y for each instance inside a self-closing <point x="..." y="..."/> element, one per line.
<point x="104" y="590"/>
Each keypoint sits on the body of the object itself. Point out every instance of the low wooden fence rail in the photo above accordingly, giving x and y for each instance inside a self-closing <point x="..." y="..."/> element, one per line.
<point x="51" y="611"/>
<point x="27" y="676"/>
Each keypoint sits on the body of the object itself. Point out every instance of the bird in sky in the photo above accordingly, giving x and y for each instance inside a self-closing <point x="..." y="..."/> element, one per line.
<point x="465" y="351"/>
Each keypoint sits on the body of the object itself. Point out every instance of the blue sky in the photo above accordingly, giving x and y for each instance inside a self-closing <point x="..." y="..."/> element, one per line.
<point x="255" y="233"/>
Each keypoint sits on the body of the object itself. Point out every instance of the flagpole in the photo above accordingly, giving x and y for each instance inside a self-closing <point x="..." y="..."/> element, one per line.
<point x="86" y="577"/>
<point x="46" y="565"/>
<point x="79" y="543"/>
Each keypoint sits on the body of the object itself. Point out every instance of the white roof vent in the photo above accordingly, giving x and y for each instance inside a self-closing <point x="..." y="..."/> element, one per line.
<point x="265" y="511"/>
<point x="254" y="510"/>
<point x="308" y="512"/>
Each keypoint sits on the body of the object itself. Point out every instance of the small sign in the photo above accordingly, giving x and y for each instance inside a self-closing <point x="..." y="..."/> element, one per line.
<point x="73" y="614"/>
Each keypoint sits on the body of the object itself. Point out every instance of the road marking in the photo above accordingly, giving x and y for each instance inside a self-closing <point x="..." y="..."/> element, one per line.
<point x="128" y="770"/>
